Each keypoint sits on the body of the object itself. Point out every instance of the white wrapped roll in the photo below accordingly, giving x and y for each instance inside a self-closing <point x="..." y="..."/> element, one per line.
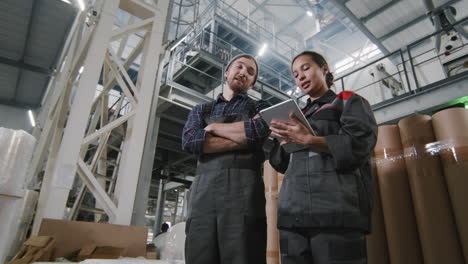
<point x="16" y="148"/>
<point x="173" y="244"/>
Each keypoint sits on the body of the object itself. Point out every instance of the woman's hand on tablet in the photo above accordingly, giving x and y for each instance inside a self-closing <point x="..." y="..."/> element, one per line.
<point x="291" y="133"/>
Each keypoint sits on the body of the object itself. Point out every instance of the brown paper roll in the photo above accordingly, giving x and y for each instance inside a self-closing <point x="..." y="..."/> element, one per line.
<point x="451" y="130"/>
<point x="270" y="177"/>
<point x="377" y="249"/>
<point x="398" y="211"/>
<point x="434" y="217"/>
<point x="280" y="180"/>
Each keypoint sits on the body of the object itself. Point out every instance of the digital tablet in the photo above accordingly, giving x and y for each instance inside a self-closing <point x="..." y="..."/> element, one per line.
<point x="281" y="112"/>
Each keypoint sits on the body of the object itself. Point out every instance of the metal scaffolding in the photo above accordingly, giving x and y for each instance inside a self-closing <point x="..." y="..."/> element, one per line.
<point x="83" y="135"/>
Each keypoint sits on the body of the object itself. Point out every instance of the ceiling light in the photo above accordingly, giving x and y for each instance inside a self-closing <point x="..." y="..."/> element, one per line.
<point x="31" y="118"/>
<point x="309" y="13"/>
<point x="80" y="71"/>
<point x="262" y="49"/>
<point x="81" y="4"/>
<point x="317" y="25"/>
<point x="66" y="1"/>
<point x="178" y="43"/>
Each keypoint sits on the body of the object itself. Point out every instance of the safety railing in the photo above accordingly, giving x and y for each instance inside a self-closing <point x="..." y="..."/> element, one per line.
<point x="405" y="71"/>
<point x="207" y="43"/>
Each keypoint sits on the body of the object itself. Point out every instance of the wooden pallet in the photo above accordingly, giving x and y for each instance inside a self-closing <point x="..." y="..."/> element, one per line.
<point x="36" y="248"/>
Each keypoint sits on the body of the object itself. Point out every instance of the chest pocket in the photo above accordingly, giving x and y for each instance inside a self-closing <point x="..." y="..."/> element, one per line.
<point x="326" y="121"/>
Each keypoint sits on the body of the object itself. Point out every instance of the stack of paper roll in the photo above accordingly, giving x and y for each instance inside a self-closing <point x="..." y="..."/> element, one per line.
<point x="270" y="179"/>
<point x="280" y="180"/>
<point x="436" y="226"/>
<point x="451" y="131"/>
<point x="377" y="249"/>
<point x="392" y="180"/>
<point x="16" y="148"/>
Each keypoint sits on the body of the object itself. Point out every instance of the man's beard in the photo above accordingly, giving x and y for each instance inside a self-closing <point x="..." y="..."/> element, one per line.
<point x="238" y="87"/>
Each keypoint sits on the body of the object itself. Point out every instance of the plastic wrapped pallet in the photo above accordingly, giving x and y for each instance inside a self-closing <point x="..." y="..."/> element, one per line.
<point x="16" y="148"/>
<point x="377" y="249"/>
<point x="392" y="180"/>
<point x="173" y="250"/>
<point x="270" y="177"/>
<point x="436" y="226"/>
<point x="28" y="203"/>
<point x="451" y="131"/>
<point x="10" y="209"/>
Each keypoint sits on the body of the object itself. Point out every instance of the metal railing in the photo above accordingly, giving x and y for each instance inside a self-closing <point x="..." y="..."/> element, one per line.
<point x="405" y="68"/>
<point x="209" y="44"/>
<point x="232" y="15"/>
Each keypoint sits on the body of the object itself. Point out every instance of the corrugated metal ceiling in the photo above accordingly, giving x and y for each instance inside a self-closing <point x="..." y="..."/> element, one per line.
<point x="32" y="33"/>
<point x="409" y="14"/>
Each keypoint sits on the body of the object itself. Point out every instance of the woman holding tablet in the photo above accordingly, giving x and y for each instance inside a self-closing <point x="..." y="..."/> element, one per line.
<point x="325" y="202"/>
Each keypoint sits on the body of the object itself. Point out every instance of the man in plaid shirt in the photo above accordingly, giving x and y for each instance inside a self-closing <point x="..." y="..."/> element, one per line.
<point x="226" y="211"/>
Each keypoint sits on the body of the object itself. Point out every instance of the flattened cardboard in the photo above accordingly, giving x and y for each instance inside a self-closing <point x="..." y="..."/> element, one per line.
<point x="107" y="253"/>
<point x="73" y="235"/>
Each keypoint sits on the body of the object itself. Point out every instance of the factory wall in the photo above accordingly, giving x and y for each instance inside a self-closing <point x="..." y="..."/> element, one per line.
<point x="14" y="118"/>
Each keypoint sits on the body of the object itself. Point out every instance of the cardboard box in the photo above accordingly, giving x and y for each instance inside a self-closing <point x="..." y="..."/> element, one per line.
<point x="151" y="252"/>
<point x="72" y="236"/>
<point x="107" y="253"/>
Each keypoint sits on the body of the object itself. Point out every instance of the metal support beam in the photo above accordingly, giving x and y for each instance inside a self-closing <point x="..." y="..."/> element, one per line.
<point x="288" y="26"/>
<point x="64" y="160"/>
<point x="146" y="171"/>
<point x="133" y="150"/>
<point x="159" y="208"/>
<point x="379" y="10"/>
<point x="258" y="6"/>
<point x="343" y="8"/>
<point x="54" y="200"/>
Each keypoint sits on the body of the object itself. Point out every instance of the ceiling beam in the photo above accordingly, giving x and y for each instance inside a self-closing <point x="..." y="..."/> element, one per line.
<point x="25" y="66"/>
<point x="412" y="22"/>
<point x="258" y="6"/>
<point x="379" y="10"/>
<point x="290" y="24"/>
<point x="343" y="8"/>
<point x="403" y="27"/>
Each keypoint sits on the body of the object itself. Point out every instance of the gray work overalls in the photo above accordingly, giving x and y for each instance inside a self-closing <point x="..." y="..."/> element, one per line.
<point x="325" y="200"/>
<point x="226" y="213"/>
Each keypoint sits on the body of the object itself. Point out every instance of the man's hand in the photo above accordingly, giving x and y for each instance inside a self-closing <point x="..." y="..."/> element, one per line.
<point x="214" y="144"/>
<point x="210" y="128"/>
<point x="232" y="131"/>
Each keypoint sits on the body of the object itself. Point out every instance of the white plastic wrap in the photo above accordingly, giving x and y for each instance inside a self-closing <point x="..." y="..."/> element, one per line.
<point x="114" y="261"/>
<point x="28" y="203"/>
<point x="173" y="244"/>
<point x="16" y="148"/>
<point x="10" y="209"/>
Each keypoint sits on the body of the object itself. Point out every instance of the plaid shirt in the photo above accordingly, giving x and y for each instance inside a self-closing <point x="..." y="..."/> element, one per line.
<point x="256" y="130"/>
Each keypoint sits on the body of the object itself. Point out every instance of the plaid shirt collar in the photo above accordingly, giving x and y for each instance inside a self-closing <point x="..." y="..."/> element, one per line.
<point x="241" y="96"/>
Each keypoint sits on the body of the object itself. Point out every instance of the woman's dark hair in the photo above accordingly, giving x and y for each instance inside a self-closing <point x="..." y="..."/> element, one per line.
<point x="320" y="61"/>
